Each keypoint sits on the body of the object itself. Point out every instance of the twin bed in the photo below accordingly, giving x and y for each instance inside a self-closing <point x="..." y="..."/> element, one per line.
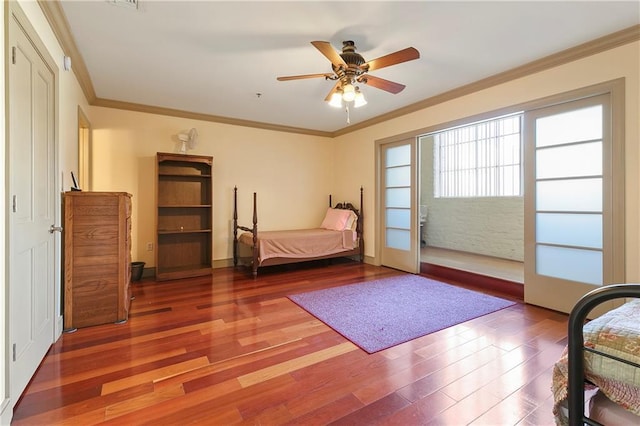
<point x="597" y="379"/>
<point x="339" y="235"/>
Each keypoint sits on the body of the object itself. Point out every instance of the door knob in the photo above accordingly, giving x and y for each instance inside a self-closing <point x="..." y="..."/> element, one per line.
<point x="55" y="229"/>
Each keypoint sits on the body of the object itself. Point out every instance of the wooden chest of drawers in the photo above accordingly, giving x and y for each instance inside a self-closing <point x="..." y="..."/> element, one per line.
<point x="97" y="258"/>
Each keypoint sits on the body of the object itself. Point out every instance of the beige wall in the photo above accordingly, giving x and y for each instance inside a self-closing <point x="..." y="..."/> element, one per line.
<point x="291" y="173"/>
<point x="624" y="61"/>
<point x="294" y="173"/>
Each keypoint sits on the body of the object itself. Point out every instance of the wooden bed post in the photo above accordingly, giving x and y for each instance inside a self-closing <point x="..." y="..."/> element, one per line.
<point x="235" y="226"/>
<point x="254" y="265"/>
<point x="361" y="226"/>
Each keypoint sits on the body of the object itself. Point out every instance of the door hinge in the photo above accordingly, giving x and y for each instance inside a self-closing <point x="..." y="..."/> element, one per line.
<point x="14" y="351"/>
<point x="13" y="55"/>
<point x="14" y="203"/>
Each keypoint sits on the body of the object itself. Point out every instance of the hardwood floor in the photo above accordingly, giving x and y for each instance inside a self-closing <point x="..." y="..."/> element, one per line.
<point x="227" y="349"/>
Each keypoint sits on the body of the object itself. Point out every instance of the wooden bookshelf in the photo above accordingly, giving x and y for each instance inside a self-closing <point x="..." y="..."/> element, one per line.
<point x="184" y="215"/>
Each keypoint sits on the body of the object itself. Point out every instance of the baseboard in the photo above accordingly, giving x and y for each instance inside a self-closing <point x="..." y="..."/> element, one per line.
<point x="222" y="263"/>
<point x="472" y="279"/>
<point x="369" y="260"/>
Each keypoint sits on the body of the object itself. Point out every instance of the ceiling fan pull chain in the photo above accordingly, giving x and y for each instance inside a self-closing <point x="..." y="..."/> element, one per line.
<point x="346" y="108"/>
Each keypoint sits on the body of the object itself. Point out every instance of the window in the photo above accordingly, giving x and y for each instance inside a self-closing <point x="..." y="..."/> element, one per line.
<point x="479" y="160"/>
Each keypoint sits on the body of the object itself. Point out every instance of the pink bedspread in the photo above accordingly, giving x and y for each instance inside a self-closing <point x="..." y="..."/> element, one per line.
<point x="301" y="243"/>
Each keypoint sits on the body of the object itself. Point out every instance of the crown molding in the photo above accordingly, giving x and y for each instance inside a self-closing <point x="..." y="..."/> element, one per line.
<point x="60" y="26"/>
<point x="608" y="42"/>
<point x="129" y="106"/>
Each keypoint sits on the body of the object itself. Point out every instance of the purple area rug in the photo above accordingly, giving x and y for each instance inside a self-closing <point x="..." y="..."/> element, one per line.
<point x="378" y="314"/>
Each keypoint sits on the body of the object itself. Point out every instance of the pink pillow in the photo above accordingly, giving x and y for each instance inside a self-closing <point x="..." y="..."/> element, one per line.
<point x="336" y="219"/>
<point x="352" y="222"/>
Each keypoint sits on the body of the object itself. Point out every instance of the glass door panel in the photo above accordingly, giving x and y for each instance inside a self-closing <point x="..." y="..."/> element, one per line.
<point x="570" y="195"/>
<point x="569" y="229"/>
<point x="397" y="172"/>
<point x="569" y="264"/>
<point x="570" y="161"/>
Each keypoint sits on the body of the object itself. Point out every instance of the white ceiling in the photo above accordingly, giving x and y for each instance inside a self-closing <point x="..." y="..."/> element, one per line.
<point x="214" y="57"/>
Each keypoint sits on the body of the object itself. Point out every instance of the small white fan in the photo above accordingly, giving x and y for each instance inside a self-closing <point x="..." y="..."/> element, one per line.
<point x="189" y="140"/>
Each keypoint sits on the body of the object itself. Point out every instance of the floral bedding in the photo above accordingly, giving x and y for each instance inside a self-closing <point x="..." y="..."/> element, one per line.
<point x="616" y="333"/>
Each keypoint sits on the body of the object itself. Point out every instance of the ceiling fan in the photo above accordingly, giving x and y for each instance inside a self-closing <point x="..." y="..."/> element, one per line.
<point x="350" y="68"/>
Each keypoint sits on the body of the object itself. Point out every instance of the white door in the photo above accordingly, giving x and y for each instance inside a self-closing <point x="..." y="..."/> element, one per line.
<point x="570" y="208"/>
<point x="398" y="200"/>
<point x="31" y="208"/>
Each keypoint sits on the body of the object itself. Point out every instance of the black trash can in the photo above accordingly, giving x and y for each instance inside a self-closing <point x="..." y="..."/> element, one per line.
<point x="136" y="270"/>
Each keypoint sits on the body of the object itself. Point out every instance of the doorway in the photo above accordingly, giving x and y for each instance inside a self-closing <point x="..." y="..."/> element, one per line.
<point x="471" y="204"/>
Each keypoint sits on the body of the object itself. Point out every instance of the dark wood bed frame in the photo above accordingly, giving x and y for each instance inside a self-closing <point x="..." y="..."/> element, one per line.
<point x="576" y="346"/>
<point x="255" y="264"/>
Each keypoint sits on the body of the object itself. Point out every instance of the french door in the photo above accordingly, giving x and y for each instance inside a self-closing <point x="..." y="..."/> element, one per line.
<point x="397" y="208"/>
<point x="573" y="212"/>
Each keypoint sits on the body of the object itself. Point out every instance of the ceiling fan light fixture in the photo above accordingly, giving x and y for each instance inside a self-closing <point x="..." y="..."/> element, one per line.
<point x="359" y="100"/>
<point x="349" y="68"/>
<point x="336" y="100"/>
<point x="348" y="92"/>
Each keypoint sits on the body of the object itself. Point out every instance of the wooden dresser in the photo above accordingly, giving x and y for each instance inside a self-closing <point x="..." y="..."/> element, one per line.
<point x="97" y="258"/>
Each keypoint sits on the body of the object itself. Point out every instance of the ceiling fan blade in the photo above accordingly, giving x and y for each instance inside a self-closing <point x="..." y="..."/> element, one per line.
<point x="300" y="77"/>
<point x="332" y="54"/>
<point x="404" y="55"/>
<point x="333" y="90"/>
<point x="381" y="83"/>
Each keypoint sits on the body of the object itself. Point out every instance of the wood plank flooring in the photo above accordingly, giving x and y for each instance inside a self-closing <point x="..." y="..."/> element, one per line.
<point x="228" y="349"/>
